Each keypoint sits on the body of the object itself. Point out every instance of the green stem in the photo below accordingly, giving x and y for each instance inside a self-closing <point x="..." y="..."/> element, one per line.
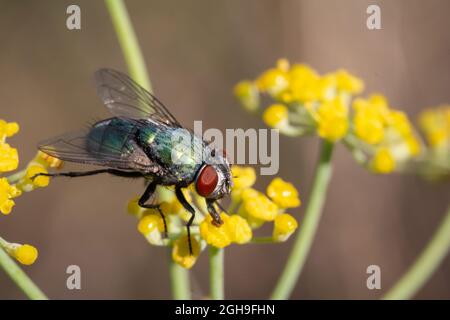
<point x="305" y="235"/>
<point x="425" y="265"/>
<point x="179" y="281"/>
<point x="19" y="277"/>
<point x="128" y="42"/>
<point x="216" y="273"/>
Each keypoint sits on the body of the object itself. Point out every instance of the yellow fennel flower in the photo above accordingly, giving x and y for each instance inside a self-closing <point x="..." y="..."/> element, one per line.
<point x="48" y="161"/>
<point x="239" y="229"/>
<point x="368" y="125"/>
<point x="8" y="129"/>
<point x="181" y="254"/>
<point x="9" y="158"/>
<point x="26" y="254"/>
<point x="332" y="119"/>
<point x="348" y="83"/>
<point x="274" y="81"/>
<point x="435" y="124"/>
<point x="284" y="227"/>
<point x="255" y="204"/>
<point x="276" y="116"/>
<point x="243" y="177"/>
<point x="248" y="95"/>
<point x="383" y="161"/>
<point x="7" y="193"/>
<point x="218" y="237"/>
<point x="283" y="193"/>
<point x="151" y="226"/>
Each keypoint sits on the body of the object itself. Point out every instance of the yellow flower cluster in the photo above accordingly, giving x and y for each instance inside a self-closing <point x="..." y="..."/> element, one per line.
<point x="306" y="102"/>
<point x="249" y="209"/>
<point x="11" y="187"/>
<point x="381" y="138"/>
<point x="386" y="134"/>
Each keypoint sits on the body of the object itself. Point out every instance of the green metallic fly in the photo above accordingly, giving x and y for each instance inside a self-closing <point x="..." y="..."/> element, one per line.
<point x="137" y="142"/>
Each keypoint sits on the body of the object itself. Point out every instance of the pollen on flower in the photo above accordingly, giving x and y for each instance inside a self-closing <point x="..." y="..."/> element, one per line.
<point x="383" y="161"/>
<point x="283" y="193"/>
<point x="181" y="254"/>
<point x="25" y="254"/>
<point x="284" y="227"/>
<point x="273" y="81"/>
<point x="276" y="115"/>
<point x="218" y="237"/>
<point x="435" y="124"/>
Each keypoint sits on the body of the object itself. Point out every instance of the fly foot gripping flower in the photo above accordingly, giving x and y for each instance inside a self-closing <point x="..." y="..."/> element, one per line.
<point x="249" y="209"/>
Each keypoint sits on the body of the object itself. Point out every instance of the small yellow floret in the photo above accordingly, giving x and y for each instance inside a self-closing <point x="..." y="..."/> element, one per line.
<point x="25" y="254"/>
<point x="283" y="193"/>
<point x="181" y="254"/>
<point x="276" y="115"/>
<point x="284" y="227"/>
<point x="383" y="162"/>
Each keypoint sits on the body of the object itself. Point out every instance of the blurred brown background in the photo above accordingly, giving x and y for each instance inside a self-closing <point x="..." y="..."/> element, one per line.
<point x="196" y="51"/>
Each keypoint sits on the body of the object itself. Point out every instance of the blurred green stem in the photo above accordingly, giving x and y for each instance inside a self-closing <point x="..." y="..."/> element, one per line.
<point x="308" y="229"/>
<point x="216" y="273"/>
<point x="179" y="281"/>
<point x="138" y="71"/>
<point x="425" y="265"/>
<point x="19" y="276"/>
<point x="128" y="42"/>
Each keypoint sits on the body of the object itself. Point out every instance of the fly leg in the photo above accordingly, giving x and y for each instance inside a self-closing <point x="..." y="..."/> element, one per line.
<point x="74" y="174"/>
<point x="149" y="191"/>
<point x="188" y="207"/>
<point x="217" y="221"/>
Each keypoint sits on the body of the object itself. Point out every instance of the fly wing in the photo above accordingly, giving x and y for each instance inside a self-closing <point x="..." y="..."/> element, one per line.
<point x="84" y="147"/>
<point x="126" y="99"/>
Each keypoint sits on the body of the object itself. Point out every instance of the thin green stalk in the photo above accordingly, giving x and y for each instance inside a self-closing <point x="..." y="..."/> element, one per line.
<point x="305" y="236"/>
<point x="425" y="265"/>
<point x="136" y="66"/>
<point x="179" y="281"/>
<point x="19" y="277"/>
<point x="216" y="273"/>
<point x="128" y="42"/>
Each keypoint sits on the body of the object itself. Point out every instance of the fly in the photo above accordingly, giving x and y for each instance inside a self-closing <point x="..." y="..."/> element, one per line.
<point x="136" y="142"/>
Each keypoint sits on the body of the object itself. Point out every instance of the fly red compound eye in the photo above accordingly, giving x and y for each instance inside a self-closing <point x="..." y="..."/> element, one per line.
<point x="207" y="181"/>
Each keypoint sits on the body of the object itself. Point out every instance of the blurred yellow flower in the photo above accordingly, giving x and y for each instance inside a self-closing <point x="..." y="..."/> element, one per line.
<point x="276" y="116"/>
<point x="332" y="120"/>
<point x="383" y="162"/>
<point x="248" y="95"/>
